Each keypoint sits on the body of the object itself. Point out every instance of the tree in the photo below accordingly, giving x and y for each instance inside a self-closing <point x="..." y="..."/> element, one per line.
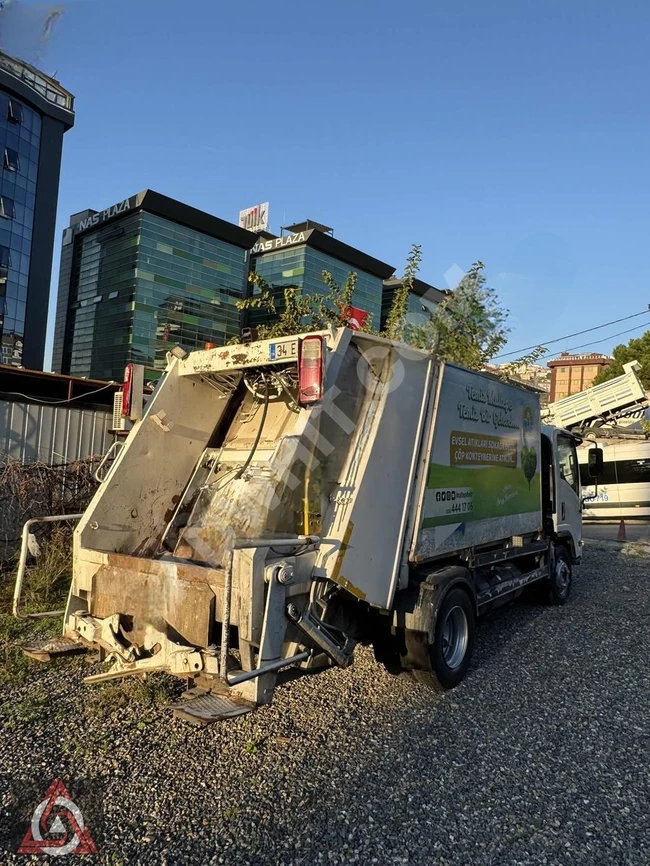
<point x="296" y="307"/>
<point x="300" y="312"/>
<point x="638" y="349"/>
<point x="396" y="321"/>
<point x="335" y="306"/>
<point x="469" y="326"/>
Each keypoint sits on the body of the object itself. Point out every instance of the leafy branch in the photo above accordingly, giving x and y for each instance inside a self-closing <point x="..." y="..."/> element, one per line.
<point x="296" y="308"/>
<point x="300" y="313"/>
<point x="396" y="321"/>
<point x="469" y="326"/>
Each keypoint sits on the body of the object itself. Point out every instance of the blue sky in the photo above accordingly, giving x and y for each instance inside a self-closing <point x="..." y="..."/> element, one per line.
<point x="515" y="132"/>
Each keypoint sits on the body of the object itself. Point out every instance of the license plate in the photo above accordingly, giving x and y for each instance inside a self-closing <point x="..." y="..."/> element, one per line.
<point x="283" y="351"/>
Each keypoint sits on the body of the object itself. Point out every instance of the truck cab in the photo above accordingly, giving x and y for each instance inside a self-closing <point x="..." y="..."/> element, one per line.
<point x="561" y="490"/>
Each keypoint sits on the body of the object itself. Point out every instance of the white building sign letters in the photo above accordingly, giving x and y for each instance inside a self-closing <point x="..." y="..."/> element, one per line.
<point x="103" y="215"/>
<point x="277" y="243"/>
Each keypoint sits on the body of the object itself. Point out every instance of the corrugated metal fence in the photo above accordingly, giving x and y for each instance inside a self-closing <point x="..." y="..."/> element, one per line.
<point x="51" y="434"/>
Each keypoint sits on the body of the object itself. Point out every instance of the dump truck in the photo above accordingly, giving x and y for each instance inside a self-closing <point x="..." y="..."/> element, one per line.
<point x="609" y="415"/>
<point x="282" y="501"/>
<point x="608" y="406"/>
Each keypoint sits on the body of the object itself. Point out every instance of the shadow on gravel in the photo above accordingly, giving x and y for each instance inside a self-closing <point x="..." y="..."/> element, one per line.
<point x="537" y="757"/>
<point x="497" y="630"/>
<point x="372" y="776"/>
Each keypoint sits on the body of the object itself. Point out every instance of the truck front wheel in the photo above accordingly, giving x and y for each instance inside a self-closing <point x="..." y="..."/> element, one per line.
<point x="451" y="650"/>
<point x="561" y="577"/>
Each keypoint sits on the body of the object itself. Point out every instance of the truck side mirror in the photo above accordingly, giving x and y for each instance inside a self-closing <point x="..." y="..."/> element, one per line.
<point x="595" y="464"/>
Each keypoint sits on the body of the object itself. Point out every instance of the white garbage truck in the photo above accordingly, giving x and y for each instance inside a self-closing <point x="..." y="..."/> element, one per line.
<point x="282" y="501"/>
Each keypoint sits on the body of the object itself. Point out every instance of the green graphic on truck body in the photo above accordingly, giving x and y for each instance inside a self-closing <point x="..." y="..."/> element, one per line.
<point x="484" y="470"/>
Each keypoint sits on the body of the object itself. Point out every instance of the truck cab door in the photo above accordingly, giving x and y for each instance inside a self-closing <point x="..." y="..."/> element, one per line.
<point x="568" y="516"/>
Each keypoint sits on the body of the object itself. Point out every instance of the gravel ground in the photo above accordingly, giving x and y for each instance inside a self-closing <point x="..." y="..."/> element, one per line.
<point x="542" y="756"/>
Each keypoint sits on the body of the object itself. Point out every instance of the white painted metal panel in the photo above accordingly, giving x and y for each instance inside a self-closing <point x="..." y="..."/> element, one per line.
<point x="624" y="391"/>
<point x="59" y="432"/>
<point x="365" y="526"/>
<point x="5" y="426"/>
<point x="131" y="508"/>
<point x="51" y="434"/>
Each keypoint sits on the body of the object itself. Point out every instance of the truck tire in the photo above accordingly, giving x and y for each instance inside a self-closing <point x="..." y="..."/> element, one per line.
<point x="560" y="581"/>
<point x="451" y="650"/>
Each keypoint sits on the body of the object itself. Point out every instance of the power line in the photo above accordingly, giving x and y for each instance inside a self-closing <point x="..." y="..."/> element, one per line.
<point x="594" y="342"/>
<point x="569" y="336"/>
<point x="58" y="402"/>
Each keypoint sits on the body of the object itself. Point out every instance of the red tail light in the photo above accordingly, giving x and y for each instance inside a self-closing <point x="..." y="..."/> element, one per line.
<point x="127" y="390"/>
<point x="311" y="370"/>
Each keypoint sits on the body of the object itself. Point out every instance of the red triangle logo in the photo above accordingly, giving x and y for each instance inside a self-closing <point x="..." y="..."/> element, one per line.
<point x="53" y="837"/>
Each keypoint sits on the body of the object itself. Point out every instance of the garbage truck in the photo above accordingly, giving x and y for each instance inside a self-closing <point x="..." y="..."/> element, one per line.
<point x="281" y="501"/>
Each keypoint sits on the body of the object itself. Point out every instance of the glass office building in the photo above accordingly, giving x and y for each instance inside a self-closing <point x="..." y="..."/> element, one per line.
<point x="141" y="277"/>
<point x="299" y="259"/>
<point x="423" y="299"/>
<point x="35" y="111"/>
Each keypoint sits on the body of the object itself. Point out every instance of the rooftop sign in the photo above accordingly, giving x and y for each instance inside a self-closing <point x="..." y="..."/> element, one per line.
<point x="256" y="218"/>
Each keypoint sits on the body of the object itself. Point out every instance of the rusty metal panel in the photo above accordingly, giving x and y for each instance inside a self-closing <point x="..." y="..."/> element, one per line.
<point x="176" y="599"/>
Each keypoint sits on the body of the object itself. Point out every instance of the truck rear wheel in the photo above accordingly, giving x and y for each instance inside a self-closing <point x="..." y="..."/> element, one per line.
<point x="453" y="643"/>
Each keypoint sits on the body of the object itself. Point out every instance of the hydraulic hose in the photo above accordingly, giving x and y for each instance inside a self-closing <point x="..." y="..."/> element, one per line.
<point x="265" y="409"/>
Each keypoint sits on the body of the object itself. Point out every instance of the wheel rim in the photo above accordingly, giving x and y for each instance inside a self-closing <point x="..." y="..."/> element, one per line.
<point x="455" y="636"/>
<point x="562" y="576"/>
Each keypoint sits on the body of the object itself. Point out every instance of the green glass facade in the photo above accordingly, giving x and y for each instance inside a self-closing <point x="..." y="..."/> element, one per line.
<point x="142" y="284"/>
<point x="303" y="266"/>
<point x="419" y="309"/>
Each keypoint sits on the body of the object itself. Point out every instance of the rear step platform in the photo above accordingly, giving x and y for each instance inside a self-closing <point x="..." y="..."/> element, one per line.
<point x="46" y="650"/>
<point x="203" y="708"/>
